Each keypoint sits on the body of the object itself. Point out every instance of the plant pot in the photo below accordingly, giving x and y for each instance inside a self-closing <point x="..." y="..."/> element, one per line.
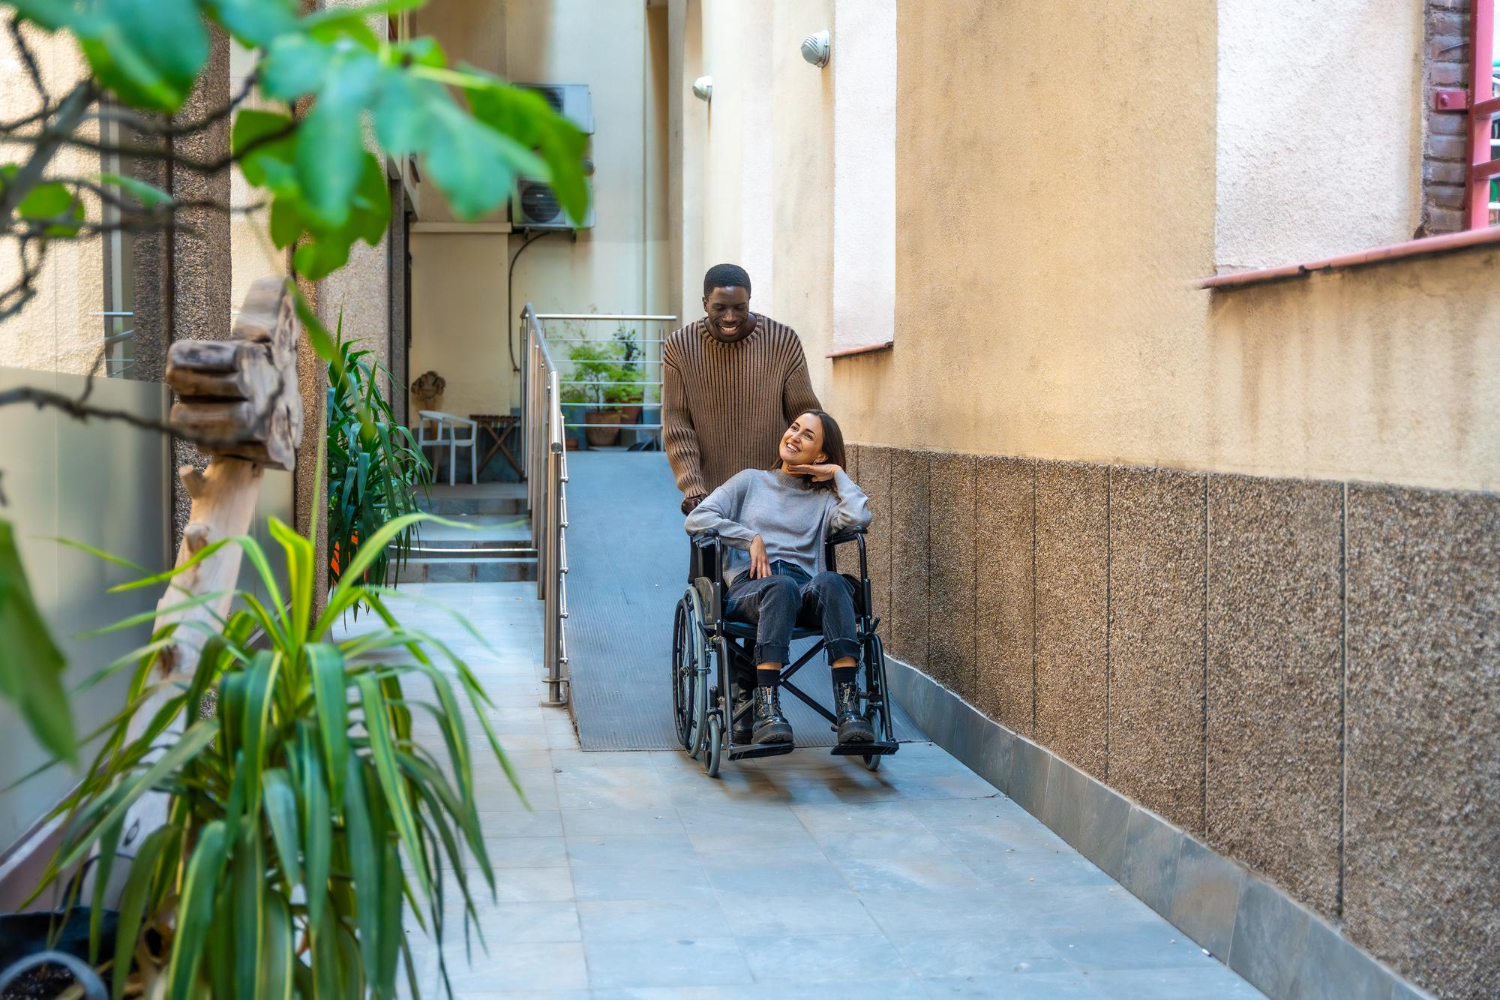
<point x="630" y="413"/>
<point x="602" y="436"/>
<point x="23" y="935"/>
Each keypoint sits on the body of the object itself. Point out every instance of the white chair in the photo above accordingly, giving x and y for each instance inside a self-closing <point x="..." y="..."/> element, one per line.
<point x="445" y="427"/>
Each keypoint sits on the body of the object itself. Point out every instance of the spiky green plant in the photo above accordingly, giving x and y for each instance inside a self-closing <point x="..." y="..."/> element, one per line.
<point x="375" y="469"/>
<point x="279" y="870"/>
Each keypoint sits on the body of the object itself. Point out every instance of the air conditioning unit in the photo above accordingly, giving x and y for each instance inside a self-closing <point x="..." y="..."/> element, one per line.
<point x="571" y="100"/>
<point x="536" y="207"/>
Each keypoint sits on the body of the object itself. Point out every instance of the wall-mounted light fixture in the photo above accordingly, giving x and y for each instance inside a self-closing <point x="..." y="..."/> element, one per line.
<point x="703" y="88"/>
<point x="817" y="48"/>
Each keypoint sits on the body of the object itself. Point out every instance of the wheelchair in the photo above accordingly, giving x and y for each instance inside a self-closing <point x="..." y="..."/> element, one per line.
<point x="707" y="646"/>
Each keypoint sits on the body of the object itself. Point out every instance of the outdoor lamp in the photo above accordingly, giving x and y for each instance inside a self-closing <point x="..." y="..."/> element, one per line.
<point x="703" y="88"/>
<point x="817" y="48"/>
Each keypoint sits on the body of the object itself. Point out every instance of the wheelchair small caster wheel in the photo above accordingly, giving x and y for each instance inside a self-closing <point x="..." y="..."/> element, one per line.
<point x="713" y="749"/>
<point x="872" y="761"/>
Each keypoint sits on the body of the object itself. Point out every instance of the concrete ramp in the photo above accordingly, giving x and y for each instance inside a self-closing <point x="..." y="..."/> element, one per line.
<point x="627" y="567"/>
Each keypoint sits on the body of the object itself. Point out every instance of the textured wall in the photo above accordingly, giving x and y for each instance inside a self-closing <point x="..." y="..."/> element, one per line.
<point x="1044" y="306"/>
<point x="1422" y="851"/>
<point x="1204" y="645"/>
<point x="1315" y="103"/>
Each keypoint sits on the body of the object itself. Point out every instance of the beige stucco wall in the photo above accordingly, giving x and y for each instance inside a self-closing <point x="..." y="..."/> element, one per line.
<point x="458" y="310"/>
<point x="1044" y="266"/>
<point x="56" y="331"/>
<point x="1319" y="128"/>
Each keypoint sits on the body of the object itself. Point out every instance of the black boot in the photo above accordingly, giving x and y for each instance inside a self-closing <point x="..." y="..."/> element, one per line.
<point x="770" y="725"/>
<point x="853" y="727"/>
<point x="743" y="730"/>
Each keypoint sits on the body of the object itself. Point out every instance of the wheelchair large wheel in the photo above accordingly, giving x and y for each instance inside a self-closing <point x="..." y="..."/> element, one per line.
<point x="689" y="674"/>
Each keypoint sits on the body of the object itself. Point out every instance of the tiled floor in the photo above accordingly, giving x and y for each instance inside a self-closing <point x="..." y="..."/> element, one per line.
<point x="634" y="875"/>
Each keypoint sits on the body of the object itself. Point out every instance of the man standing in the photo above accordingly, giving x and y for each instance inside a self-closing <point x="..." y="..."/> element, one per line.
<point x="732" y="382"/>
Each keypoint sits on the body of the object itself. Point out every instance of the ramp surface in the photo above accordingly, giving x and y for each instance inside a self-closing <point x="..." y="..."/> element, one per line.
<point x="627" y="567"/>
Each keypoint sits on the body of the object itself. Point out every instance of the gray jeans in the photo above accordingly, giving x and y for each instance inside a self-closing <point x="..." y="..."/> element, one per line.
<point x="787" y="598"/>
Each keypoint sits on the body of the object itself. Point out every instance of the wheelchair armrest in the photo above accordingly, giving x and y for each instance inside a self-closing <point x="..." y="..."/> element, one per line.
<point x="709" y="541"/>
<point x="847" y="535"/>
<point x="706" y="539"/>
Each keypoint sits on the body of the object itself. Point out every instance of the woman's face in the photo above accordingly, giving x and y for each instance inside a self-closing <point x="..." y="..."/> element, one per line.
<point x="802" y="444"/>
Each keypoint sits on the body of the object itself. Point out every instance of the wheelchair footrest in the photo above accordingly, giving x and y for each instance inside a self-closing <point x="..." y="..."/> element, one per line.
<point x="879" y="748"/>
<point x="764" y="750"/>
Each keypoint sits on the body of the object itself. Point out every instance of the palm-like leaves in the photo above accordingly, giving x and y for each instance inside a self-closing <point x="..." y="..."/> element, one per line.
<point x="279" y="869"/>
<point x="374" y="465"/>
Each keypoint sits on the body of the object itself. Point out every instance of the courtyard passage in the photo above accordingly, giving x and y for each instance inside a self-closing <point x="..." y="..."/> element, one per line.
<point x="633" y="874"/>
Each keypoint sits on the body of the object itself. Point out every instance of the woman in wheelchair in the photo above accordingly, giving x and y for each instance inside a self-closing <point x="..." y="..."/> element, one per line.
<point x="776" y="522"/>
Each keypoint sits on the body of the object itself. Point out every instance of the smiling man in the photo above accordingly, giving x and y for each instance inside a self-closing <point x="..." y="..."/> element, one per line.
<point x="731" y="383"/>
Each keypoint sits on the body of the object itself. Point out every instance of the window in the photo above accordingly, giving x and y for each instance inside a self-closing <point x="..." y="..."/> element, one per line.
<point x="1483" y="200"/>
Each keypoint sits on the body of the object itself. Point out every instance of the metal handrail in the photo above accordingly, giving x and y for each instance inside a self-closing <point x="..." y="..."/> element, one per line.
<point x="645" y="363"/>
<point x="546" y="464"/>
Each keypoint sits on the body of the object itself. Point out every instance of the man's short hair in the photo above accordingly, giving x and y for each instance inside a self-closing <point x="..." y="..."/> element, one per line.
<point x="725" y="276"/>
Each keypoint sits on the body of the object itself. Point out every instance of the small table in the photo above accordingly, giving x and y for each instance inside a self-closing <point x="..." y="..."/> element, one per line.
<point x="498" y="428"/>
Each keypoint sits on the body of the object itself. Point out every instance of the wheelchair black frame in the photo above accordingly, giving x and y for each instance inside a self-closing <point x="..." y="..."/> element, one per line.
<point x="736" y="645"/>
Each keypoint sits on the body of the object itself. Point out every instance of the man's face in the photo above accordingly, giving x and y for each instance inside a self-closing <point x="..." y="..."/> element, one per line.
<point x="728" y="312"/>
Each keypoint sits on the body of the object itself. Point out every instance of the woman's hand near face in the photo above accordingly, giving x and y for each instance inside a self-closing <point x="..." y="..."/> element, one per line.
<point x="819" y="473"/>
<point x="760" y="566"/>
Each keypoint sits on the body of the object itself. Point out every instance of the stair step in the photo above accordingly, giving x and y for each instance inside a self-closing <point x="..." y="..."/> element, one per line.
<point x="451" y="570"/>
<point x="450" y="506"/>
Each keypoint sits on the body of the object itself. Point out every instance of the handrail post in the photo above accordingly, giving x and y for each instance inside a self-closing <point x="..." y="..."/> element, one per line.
<point x="552" y="580"/>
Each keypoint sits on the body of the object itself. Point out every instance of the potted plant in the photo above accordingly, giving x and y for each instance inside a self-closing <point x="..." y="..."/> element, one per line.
<point x="302" y="813"/>
<point x="593" y="386"/>
<point x="630" y="369"/>
<point x="375" y="468"/>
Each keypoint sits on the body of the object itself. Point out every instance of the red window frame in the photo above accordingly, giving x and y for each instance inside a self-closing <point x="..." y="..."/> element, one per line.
<point x="1483" y="109"/>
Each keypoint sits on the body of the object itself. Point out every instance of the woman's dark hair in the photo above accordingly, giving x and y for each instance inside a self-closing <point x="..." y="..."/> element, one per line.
<point x="833" y="446"/>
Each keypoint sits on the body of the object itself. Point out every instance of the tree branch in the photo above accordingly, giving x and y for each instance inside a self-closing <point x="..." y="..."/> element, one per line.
<point x="152" y="153"/>
<point x="146" y="126"/>
<point x="29" y="59"/>
<point x="69" y="114"/>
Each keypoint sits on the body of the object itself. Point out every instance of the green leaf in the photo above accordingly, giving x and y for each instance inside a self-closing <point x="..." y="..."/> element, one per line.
<point x="149" y="197"/>
<point x="326" y="667"/>
<point x="474" y="165"/>
<point x="255" y="23"/>
<point x="317" y="827"/>
<point x="277" y="956"/>
<point x="364" y="864"/>
<point x="31" y="665"/>
<point x="133" y="900"/>
<point x="281" y="812"/>
<point x="525" y="117"/>
<point x="390" y="919"/>
<point x="147" y="51"/>
<point x="249" y="881"/>
<point x="294" y="66"/>
<point x="330" y="140"/>
<point x="49" y="202"/>
<point x="195" y="909"/>
<point x="198" y="736"/>
<point x="268" y="162"/>
<point x="259" y="693"/>
<point x="383" y="756"/>
<point x="104" y="866"/>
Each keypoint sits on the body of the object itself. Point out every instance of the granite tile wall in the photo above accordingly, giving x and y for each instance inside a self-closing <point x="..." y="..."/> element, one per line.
<point x="875" y="480"/>
<point x="1005" y="625"/>
<point x="1304" y="675"/>
<point x="1275" y="621"/>
<point x="1072" y="547"/>
<point x="910" y="544"/>
<point x="1157" y="555"/>
<point x="950" y="573"/>
<point x="1422" y="838"/>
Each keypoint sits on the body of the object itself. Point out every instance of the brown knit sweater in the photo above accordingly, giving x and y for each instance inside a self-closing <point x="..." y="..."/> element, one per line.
<point x="725" y="406"/>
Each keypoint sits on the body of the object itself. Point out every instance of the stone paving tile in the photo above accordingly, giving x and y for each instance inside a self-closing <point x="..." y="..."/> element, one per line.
<point x="634" y="877"/>
<point x="685" y="962"/>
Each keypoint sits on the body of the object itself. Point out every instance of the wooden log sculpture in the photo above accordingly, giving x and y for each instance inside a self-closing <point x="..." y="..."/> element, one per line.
<point x="239" y="399"/>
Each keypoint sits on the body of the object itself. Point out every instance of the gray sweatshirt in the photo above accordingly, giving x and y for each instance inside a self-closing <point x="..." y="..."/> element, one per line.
<point x="792" y="518"/>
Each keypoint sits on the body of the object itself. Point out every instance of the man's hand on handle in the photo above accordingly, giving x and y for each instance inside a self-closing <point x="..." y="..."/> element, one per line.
<point x="689" y="504"/>
<point x="760" y="566"/>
